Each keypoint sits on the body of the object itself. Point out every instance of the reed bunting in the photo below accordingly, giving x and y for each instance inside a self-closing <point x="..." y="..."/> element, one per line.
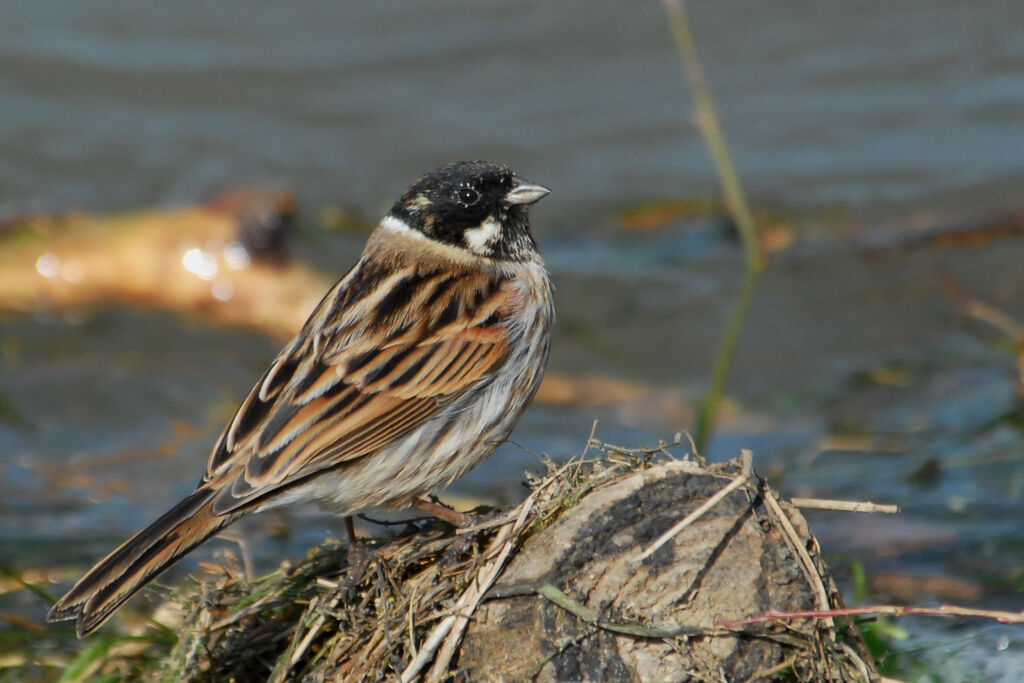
<point x="412" y="369"/>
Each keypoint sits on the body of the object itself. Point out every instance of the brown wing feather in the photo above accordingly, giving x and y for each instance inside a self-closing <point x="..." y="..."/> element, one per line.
<point x="379" y="372"/>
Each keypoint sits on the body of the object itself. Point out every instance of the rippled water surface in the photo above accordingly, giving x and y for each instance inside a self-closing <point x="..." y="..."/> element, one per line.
<point x="108" y="104"/>
<point x="856" y="376"/>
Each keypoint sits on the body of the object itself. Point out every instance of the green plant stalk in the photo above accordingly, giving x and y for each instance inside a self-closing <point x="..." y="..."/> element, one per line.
<point x="707" y="123"/>
<point x="735" y="204"/>
<point x="709" y="404"/>
<point x="80" y="667"/>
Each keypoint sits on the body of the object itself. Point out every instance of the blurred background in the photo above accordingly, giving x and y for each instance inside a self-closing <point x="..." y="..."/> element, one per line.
<point x="881" y="148"/>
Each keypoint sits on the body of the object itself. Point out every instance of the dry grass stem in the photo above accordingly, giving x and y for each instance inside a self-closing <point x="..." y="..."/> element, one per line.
<point x="747" y="459"/>
<point x="956" y="611"/>
<point x="811" y="572"/>
<point x="499" y="552"/>
<point x="844" y="505"/>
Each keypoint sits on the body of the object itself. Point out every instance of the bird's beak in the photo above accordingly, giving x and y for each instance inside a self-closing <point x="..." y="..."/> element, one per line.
<point x="526" y="193"/>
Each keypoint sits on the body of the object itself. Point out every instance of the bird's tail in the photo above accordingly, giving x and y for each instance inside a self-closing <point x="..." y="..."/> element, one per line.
<point x="138" y="561"/>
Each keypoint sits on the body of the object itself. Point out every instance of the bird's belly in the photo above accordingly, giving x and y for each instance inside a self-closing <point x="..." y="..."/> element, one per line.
<point x="428" y="458"/>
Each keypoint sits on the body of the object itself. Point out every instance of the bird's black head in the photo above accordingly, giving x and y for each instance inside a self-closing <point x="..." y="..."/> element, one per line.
<point x="473" y="205"/>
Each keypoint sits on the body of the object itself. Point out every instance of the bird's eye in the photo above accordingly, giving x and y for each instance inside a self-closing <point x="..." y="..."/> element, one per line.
<point x="468" y="196"/>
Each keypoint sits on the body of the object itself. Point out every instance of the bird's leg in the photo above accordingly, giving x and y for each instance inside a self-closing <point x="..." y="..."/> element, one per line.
<point x="457" y="549"/>
<point x="359" y="558"/>
<point x="453" y="517"/>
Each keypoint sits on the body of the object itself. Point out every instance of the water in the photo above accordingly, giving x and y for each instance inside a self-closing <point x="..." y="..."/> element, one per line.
<point x="877" y="116"/>
<point x="110" y="105"/>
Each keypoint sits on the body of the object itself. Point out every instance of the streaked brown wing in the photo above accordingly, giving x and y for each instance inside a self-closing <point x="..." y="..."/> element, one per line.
<point x="397" y="345"/>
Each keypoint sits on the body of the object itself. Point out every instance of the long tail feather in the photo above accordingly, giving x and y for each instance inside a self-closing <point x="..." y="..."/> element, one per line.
<point x="138" y="561"/>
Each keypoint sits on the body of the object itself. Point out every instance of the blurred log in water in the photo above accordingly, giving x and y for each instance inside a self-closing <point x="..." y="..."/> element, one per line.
<point x="224" y="259"/>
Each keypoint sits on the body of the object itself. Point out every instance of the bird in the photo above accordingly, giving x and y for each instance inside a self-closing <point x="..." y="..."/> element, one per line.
<point x="411" y="370"/>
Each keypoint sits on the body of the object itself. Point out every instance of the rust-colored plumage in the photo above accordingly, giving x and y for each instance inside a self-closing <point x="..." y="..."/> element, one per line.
<point x="411" y="370"/>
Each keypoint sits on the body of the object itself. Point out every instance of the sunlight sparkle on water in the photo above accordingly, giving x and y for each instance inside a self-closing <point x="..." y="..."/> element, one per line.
<point x="236" y="256"/>
<point x="48" y="265"/>
<point x="222" y="290"/>
<point x="200" y="263"/>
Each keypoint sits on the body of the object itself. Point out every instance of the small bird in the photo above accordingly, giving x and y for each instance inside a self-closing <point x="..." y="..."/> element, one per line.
<point x="413" y="368"/>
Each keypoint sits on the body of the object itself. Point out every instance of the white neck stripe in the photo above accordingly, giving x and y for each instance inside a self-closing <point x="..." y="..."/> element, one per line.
<point x="395" y="225"/>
